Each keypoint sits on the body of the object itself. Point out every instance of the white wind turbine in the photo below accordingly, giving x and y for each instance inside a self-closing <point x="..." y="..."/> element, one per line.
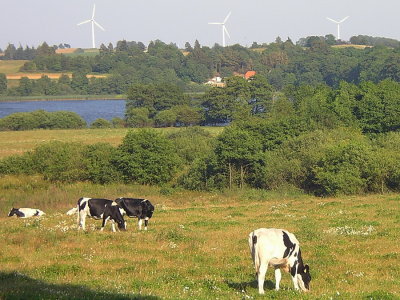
<point x="224" y="30"/>
<point x="338" y="25"/>
<point x="92" y="20"/>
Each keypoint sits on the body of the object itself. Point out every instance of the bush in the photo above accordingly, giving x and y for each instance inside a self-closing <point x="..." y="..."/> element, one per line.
<point x="146" y="157"/>
<point x="58" y="161"/>
<point x="100" y="123"/>
<point x="191" y="142"/>
<point x="17" y="164"/>
<point x="41" y="119"/>
<point x="98" y="163"/>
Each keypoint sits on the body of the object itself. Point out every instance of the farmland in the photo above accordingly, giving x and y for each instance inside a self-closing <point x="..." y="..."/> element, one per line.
<point x="196" y="246"/>
<point x="12" y="70"/>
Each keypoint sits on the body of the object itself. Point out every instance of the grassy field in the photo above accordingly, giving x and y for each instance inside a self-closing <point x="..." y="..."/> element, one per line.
<point x="11" y="66"/>
<point x="196" y="245"/>
<point x="18" y="142"/>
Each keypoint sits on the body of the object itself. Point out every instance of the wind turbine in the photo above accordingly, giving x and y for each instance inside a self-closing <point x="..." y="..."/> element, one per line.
<point x="92" y="20"/>
<point x="224" y="30"/>
<point x="338" y="25"/>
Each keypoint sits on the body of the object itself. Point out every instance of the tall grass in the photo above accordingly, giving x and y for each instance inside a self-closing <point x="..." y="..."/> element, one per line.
<point x="196" y="246"/>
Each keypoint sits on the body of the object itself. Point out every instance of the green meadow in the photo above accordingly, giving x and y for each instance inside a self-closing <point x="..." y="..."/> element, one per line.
<point x="196" y="246"/>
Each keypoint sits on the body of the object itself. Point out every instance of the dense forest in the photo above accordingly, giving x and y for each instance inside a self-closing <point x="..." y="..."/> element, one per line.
<point x="312" y="61"/>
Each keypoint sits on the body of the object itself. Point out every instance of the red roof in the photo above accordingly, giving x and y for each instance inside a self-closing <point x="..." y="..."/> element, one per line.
<point x="249" y="74"/>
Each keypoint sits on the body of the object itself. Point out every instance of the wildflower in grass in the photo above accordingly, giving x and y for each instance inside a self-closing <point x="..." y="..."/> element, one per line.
<point x="347" y="230"/>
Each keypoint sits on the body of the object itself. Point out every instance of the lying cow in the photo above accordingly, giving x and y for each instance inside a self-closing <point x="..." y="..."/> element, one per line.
<point x="25" y="212"/>
<point x="279" y="249"/>
<point x="137" y="208"/>
<point x="100" y="209"/>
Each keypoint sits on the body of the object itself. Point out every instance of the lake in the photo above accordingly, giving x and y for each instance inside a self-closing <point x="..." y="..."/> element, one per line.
<point x="89" y="110"/>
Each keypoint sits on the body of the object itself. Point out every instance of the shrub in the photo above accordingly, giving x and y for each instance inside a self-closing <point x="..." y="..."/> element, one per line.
<point x="58" y="161"/>
<point x="98" y="163"/>
<point x="41" y="119"/>
<point x="344" y="169"/>
<point x="146" y="157"/>
<point x="100" y="123"/>
<point x="17" y="164"/>
<point x="191" y="142"/>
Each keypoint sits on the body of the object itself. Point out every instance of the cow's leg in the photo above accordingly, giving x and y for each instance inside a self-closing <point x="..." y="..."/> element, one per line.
<point x="104" y="223"/>
<point x="261" y="276"/>
<point x="140" y="223"/>
<point x="146" y="222"/>
<point x="278" y="276"/>
<point x="82" y="219"/>
<point x="113" y="226"/>
<point x="293" y="272"/>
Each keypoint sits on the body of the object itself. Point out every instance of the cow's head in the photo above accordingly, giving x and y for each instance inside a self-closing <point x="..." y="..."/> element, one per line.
<point x="12" y="212"/>
<point x="118" y="217"/>
<point x="149" y="209"/>
<point x="304" y="278"/>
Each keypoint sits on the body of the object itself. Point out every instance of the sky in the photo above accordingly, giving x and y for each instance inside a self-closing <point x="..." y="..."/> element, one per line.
<point x="27" y="22"/>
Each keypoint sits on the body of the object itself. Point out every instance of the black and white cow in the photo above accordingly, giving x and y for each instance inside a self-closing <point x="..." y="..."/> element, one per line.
<point x="25" y="212"/>
<point x="137" y="208"/>
<point x="100" y="209"/>
<point x="279" y="249"/>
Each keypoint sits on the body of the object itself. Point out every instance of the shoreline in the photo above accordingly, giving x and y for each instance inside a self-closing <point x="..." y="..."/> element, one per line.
<point x="62" y="98"/>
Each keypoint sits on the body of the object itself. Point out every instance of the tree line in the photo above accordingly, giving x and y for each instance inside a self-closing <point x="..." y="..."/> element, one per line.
<point x="312" y="61"/>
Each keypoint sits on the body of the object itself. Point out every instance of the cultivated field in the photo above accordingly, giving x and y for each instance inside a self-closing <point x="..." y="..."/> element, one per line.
<point x="11" y="66"/>
<point x="11" y="69"/>
<point x="196" y="246"/>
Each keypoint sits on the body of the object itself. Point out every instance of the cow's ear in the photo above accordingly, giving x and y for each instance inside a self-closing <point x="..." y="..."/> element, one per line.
<point x="306" y="269"/>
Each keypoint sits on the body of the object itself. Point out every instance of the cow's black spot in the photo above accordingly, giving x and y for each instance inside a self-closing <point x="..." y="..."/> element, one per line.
<point x="254" y="239"/>
<point x="20" y="214"/>
<point x="288" y="244"/>
<point x="293" y="269"/>
<point x="36" y="213"/>
<point x="82" y="206"/>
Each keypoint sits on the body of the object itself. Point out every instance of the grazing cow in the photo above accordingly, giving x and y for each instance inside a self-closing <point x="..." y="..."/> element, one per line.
<point x="279" y="249"/>
<point x="25" y="212"/>
<point x="137" y="208"/>
<point x="100" y="209"/>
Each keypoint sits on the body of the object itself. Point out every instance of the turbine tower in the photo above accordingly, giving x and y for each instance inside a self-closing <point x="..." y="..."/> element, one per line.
<point x="338" y="25"/>
<point x="92" y="20"/>
<point x="224" y="30"/>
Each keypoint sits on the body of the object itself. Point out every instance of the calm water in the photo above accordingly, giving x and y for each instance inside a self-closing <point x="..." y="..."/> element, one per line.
<point x="89" y="110"/>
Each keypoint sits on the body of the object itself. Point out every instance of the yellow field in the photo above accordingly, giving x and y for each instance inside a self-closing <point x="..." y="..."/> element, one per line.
<point x="11" y="66"/>
<point x="352" y="46"/>
<point x="66" y="51"/>
<point x="19" y="75"/>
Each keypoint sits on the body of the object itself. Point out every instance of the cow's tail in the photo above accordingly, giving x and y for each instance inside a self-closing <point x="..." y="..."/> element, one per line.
<point x="254" y="250"/>
<point x="72" y="211"/>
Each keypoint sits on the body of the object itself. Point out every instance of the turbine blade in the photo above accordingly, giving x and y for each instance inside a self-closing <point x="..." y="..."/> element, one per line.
<point x="84" y="22"/>
<point x="227" y="17"/>
<point x="94" y="9"/>
<point x="334" y="21"/>
<point x="216" y="23"/>
<point x="98" y="25"/>
<point x="226" y="31"/>
<point x="344" y="19"/>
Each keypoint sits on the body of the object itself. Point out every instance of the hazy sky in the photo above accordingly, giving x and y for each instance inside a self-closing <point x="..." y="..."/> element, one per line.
<point x="28" y="22"/>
